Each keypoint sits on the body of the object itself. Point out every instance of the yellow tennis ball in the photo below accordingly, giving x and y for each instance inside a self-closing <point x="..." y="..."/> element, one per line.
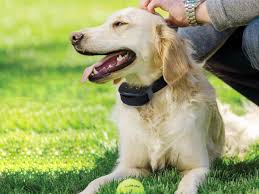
<point x="130" y="186"/>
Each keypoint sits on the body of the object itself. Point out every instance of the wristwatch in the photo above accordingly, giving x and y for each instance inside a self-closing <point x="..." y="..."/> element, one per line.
<point x="190" y="7"/>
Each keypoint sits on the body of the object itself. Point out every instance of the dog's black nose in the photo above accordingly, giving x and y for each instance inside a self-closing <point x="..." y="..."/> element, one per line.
<point x="76" y="37"/>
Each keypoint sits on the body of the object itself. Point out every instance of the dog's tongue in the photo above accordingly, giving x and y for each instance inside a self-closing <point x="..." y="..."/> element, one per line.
<point x="90" y="69"/>
<point x="87" y="73"/>
<point x="106" y="64"/>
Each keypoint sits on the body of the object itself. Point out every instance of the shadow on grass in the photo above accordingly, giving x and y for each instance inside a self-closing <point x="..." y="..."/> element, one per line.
<point x="33" y="63"/>
<point x="40" y="66"/>
<point x="233" y="169"/>
<point x="233" y="176"/>
<point x="74" y="181"/>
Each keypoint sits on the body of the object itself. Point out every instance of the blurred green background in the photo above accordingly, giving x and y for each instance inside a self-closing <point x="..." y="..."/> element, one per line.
<point x="55" y="133"/>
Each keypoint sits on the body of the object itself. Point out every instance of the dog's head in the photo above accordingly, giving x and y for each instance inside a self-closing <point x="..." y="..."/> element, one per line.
<point x="138" y="45"/>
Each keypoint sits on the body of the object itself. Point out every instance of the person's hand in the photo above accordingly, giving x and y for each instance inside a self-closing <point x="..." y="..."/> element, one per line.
<point x="176" y="10"/>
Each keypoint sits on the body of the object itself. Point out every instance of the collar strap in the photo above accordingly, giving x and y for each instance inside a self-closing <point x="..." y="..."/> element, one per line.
<point x="139" y="96"/>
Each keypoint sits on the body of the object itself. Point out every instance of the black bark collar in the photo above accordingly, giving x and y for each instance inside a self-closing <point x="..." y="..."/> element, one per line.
<point x="139" y="96"/>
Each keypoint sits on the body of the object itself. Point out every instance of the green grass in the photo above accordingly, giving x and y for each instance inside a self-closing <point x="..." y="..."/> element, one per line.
<point x="55" y="133"/>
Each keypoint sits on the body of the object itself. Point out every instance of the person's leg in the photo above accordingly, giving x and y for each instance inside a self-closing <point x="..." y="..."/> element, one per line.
<point x="205" y="40"/>
<point x="228" y="62"/>
<point x="236" y="63"/>
<point x="251" y="42"/>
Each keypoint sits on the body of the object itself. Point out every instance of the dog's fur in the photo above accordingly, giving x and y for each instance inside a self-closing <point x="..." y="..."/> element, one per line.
<point x="181" y="126"/>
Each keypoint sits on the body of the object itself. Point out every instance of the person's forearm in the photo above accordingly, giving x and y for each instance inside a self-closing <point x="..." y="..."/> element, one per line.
<point x="226" y="14"/>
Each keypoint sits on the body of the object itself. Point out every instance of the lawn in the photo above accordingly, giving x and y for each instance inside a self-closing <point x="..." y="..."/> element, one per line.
<point x="55" y="133"/>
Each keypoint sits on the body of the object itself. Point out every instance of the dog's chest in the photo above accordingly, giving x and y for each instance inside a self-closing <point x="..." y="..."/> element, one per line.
<point x="161" y="137"/>
<point x="155" y="128"/>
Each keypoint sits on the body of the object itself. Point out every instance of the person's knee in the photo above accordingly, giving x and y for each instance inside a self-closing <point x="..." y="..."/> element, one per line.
<point x="251" y="42"/>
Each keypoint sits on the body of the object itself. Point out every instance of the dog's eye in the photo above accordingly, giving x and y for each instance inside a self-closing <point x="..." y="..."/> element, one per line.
<point x="118" y="24"/>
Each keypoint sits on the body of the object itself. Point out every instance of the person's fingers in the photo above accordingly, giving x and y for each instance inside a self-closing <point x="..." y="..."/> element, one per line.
<point x="152" y="5"/>
<point x="144" y="3"/>
<point x="168" y="20"/>
<point x="172" y="22"/>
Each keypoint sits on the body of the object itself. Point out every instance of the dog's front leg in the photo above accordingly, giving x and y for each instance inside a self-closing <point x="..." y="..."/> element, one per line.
<point x="191" y="180"/>
<point x="195" y="169"/>
<point x="118" y="174"/>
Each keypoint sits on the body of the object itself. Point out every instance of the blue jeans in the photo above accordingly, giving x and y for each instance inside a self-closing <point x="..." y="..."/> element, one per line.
<point x="232" y="55"/>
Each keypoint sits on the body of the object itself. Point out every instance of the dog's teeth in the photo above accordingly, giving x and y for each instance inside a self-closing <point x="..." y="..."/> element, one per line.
<point x="95" y="71"/>
<point x="120" y="58"/>
<point x="98" y="65"/>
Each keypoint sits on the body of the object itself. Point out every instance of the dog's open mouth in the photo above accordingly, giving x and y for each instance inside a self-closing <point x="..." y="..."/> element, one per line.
<point x="112" y="62"/>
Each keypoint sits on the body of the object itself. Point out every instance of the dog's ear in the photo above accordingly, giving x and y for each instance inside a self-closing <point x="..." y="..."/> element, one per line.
<point x="172" y="51"/>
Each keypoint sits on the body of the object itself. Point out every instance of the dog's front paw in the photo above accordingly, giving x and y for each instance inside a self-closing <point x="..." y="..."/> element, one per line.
<point x="89" y="191"/>
<point x="92" y="188"/>
<point x="185" y="191"/>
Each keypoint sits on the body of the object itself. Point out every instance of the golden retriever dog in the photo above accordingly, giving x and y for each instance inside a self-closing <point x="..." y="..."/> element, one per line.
<point x="181" y="125"/>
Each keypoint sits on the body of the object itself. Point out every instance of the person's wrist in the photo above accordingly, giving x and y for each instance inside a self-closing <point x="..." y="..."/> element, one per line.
<point x="202" y="15"/>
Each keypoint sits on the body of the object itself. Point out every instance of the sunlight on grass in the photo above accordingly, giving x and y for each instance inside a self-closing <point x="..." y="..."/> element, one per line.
<point x="227" y="95"/>
<point x="64" y="151"/>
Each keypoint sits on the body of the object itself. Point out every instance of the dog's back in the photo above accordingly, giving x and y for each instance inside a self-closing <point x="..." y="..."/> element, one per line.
<point x="241" y="131"/>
